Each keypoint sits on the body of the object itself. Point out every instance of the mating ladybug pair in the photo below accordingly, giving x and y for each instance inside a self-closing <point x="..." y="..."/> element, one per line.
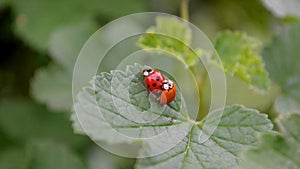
<point x="159" y="86"/>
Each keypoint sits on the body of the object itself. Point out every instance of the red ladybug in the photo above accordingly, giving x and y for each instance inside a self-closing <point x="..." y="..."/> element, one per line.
<point x="153" y="80"/>
<point x="168" y="92"/>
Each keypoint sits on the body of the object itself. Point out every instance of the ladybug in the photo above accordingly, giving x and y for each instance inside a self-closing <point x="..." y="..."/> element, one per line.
<point x="168" y="92"/>
<point x="153" y="80"/>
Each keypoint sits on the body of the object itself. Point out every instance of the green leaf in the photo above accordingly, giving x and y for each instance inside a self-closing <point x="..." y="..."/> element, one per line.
<point x="22" y="120"/>
<point x="115" y="105"/>
<point x="37" y="19"/>
<point x="12" y="158"/>
<point x="99" y="158"/>
<point x="123" y="107"/>
<point x="39" y="154"/>
<point x="235" y="131"/>
<point x="50" y="155"/>
<point x="240" y="57"/>
<point x="276" y="150"/>
<point x="65" y="43"/>
<point x="172" y="36"/>
<point x="52" y="85"/>
<point x="282" y="57"/>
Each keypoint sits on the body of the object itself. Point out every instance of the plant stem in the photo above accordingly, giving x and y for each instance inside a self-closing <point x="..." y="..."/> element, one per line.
<point x="202" y="108"/>
<point x="185" y="9"/>
<point x="201" y="82"/>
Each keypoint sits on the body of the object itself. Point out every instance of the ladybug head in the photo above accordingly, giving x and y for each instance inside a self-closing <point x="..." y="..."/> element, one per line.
<point x="147" y="72"/>
<point x="167" y="84"/>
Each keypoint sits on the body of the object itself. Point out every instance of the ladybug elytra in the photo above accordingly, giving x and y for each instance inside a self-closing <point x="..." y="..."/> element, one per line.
<point x="168" y="92"/>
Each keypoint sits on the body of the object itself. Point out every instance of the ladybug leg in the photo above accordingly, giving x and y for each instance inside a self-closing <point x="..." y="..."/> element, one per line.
<point x="158" y="96"/>
<point x="138" y="83"/>
<point x="171" y="120"/>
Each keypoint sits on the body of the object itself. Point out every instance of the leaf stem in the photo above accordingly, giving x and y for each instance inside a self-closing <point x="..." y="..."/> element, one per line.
<point x="185" y="9"/>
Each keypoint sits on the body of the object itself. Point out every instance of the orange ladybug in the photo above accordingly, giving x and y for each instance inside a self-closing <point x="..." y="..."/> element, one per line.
<point x="168" y="92"/>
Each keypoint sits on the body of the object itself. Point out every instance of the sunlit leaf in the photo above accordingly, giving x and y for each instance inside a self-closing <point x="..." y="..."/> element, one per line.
<point x="240" y="55"/>
<point x="170" y="35"/>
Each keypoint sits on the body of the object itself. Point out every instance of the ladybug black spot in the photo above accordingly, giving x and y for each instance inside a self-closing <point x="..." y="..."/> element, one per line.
<point x="157" y="79"/>
<point x="148" y="85"/>
<point x="154" y="84"/>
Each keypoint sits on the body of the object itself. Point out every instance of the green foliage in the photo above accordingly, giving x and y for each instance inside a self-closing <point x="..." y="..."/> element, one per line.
<point x="12" y="158"/>
<point x="115" y="104"/>
<point x="106" y="100"/>
<point x="99" y="158"/>
<point x="50" y="155"/>
<point x="276" y="150"/>
<point x="108" y="89"/>
<point x="172" y="36"/>
<point x="37" y="19"/>
<point x="236" y="131"/>
<point x="37" y="138"/>
<point x="40" y="154"/>
<point x="240" y="57"/>
<point x="22" y="120"/>
<point x="282" y="57"/>
<point x="52" y="85"/>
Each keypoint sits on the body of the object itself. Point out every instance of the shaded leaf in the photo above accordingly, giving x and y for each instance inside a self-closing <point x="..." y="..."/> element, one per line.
<point x="276" y="150"/>
<point x="282" y="57"/>
<point x="50" y="155"/>
<point x="22" y="120"/>
<point x="65" y="43"/>
<point x="12" y="158"/>
<point x="37" y="19"/>
<point x="99" y="158"/>
<point x="52" y="85"/>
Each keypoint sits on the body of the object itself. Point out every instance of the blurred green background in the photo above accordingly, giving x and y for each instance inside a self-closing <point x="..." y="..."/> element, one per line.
<point x="36" y="71"/>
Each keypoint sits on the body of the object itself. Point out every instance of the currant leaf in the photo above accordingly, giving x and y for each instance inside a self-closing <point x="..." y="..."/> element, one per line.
<point x="115" y="109"/>
<point x="282" y="58"/>
<point x="52" y="85"/>
<point x="240" y="55"/>
<point x="276" y="150"/>
<point x="172" y="36"/>
<point x="38" y="19"/>
<point x="235" y="131"/>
